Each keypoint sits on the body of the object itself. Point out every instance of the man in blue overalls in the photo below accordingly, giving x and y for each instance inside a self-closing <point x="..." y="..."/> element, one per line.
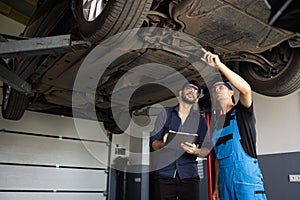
<point x="238" y="176"/>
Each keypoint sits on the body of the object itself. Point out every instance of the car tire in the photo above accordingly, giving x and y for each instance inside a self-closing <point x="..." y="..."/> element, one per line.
<point x="285" y="82"/>
<point x="116" y="16"/>
<point x="14" y="103"/>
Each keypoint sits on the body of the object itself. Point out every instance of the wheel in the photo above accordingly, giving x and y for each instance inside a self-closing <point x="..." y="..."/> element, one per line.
<point x="281" y="80"/>
<point x="14" y="103"/>
<point x="99" y="19"/>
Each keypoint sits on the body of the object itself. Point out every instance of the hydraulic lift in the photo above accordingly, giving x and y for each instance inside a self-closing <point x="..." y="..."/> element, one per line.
<point x="16" y="46"/>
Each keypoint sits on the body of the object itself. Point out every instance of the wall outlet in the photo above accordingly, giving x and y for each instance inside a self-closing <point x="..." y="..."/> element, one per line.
<point x="294" y="178"/>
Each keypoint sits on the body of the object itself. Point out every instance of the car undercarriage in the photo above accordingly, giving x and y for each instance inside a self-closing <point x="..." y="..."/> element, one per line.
<point x="238" y="31"/>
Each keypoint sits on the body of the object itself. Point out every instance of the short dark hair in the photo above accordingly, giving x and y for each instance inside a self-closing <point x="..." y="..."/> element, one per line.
<point x="193" y="82"/>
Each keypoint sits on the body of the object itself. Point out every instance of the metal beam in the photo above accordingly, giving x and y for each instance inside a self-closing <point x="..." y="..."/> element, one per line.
<point x="40" y="46"/>
<point x="13" y="79"/>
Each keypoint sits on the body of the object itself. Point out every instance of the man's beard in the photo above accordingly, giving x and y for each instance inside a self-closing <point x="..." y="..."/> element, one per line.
<point x="185" y="100"/>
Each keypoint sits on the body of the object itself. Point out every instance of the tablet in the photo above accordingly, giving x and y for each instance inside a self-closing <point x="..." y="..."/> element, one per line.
<point x="175" y="139"/>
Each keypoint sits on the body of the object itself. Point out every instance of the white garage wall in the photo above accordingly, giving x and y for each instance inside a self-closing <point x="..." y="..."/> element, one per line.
<point x="278" y="124"/>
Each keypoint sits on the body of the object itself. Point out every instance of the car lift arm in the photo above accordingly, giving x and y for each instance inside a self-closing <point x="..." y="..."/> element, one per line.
<point x="13" y="79"/>
<point x="32" y="47"/>
<point x="40" y="46"/>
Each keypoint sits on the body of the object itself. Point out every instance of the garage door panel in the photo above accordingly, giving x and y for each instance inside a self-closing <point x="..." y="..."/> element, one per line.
<point x="42" y="178"/>
<point x="50" y="157"/>
<point x="35" y="122"/>
<point x="51" y="196"/>
<point x="29" y="149"/>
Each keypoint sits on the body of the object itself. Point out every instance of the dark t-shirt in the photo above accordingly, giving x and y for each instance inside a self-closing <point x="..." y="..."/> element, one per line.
<point x="246" y="123"/>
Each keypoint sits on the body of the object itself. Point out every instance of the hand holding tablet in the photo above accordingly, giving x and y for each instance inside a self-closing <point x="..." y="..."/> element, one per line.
<point x="175" y="139"/>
